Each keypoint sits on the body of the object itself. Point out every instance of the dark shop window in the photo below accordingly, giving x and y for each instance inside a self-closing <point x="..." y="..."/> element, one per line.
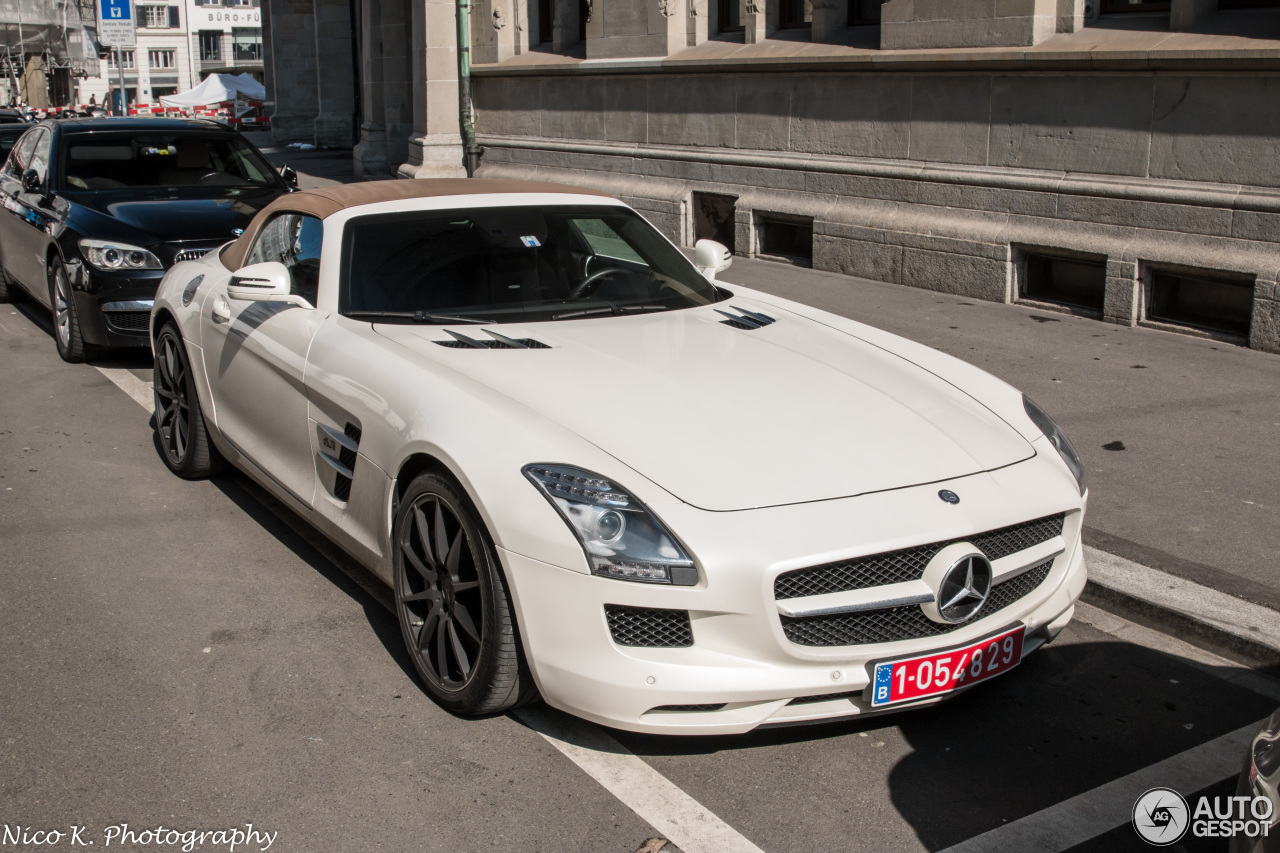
<point x="1076" y="282"/>
<point x="864" y="13"/>
<point x="713" y="218"/>
<point x="793" y="14"/>
<point x="730" y="14"/>
<point x="1200" y="301"/>
<point x="545" y="9"/>
<point x="787" y="238"/>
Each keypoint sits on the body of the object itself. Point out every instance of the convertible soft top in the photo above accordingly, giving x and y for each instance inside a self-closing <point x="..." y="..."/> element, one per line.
<point x="326" y="201"/>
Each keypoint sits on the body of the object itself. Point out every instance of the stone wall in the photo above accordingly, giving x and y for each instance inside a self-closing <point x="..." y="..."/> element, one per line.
<point x="934" y="179"/>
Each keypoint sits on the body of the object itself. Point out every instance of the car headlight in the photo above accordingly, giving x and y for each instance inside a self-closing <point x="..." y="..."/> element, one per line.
<point x="621" y="537"/>
<point x="1056" y="437"/>
<point x="111" y="256"/>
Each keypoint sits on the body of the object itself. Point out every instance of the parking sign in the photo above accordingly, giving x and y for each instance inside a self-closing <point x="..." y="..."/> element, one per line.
<point x="115" y="23"/>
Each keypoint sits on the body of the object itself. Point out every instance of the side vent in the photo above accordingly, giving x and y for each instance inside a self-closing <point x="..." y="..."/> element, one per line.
<point x="494" y="341"/>
<point x="339" y="450"/>
<point x="748" y="320"/>
<point x="347" y="456"/>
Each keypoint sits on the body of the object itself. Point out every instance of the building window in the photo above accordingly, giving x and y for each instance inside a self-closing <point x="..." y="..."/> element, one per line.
<point x="544" y="21"/>
<point x="793" y="14"/>
<point x="210" y="45"/>
<point x="1112" y="6"/>
<point x="782" y="237"/>
<point x="242" y="2"/>
<point x="730" y="12"/>
<point x="128" y="60"/>
<point x="161" y="59"/>
<point x="864" y="13"/>
<point x="1074" y="281"/>
<point x="246" y="44"/>
<point x="1206" y="300"/>
<point x="160" y="17"/>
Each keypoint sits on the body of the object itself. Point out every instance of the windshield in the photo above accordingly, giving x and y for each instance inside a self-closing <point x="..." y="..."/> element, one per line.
<point x="513" y="264"/>
<point x="114" y="161"/>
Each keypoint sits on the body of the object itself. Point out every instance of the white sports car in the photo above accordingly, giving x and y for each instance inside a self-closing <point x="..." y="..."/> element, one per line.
<point x="591" y="472"/>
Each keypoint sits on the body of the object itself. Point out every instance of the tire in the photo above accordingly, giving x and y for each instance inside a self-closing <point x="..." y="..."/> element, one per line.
<point x="452" y="602"/>
<point x="66" y="321"/>
<point x="184" y="439"/>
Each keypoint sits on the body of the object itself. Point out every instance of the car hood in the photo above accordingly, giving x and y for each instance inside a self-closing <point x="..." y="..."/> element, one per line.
<point x="168" y="216"/>
<point x="727" y="419"/>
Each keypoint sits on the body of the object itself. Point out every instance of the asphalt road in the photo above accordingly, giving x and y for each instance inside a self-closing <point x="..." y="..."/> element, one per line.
<point x="176" y="654"/>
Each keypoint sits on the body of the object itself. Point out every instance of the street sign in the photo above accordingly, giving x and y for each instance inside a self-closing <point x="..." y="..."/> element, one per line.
<point x="116" y="25"/>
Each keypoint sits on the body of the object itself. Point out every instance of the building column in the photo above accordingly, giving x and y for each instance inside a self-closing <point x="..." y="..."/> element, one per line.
<point x="754" y="15"/>
<point x="1185" y="14"/>
<point x="269" y="77"/>
<point x="335" y="84"/>
<point x="293" y="68"/>
<point x="564" y="24"/>
<point x="435" y="149"/>
<point x="906" y="25"/>
<point x="370" y="154"/>
<point x="397" y="82"/>
<point x="494" y="31"/>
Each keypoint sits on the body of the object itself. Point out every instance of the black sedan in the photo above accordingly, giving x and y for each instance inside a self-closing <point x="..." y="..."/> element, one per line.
<point x="95" y="210"/>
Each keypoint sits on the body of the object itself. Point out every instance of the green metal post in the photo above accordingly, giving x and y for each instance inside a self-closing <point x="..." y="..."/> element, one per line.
<point x="470" y="150"/>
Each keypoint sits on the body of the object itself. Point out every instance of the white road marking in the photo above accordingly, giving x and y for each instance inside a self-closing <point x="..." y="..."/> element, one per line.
<point x="136" y="388"/>
<point x="1092" y="813"/>
<point x="680" y="818"/>
<point x="1224" y="612"/>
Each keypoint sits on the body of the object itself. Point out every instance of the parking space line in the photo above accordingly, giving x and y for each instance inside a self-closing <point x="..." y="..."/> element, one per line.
<point x="1088" y="815"/>
<point x="136" y="388"/>
<point x="655" y="798"/>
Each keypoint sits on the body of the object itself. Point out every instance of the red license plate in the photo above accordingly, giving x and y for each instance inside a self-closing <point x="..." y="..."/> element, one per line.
<point x="942" y="672"/>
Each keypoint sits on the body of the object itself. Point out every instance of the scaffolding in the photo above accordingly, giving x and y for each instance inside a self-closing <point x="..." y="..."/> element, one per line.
<point x="62" y="33"/>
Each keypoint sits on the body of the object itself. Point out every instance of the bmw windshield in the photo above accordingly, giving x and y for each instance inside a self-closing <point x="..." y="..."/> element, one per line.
<point x="113" y="160"/>
<point x="513" y="264"/>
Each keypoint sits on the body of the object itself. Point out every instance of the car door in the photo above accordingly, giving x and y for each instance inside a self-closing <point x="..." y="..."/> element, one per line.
<point x="255" y="357"/>
<point x="23" y="230"/>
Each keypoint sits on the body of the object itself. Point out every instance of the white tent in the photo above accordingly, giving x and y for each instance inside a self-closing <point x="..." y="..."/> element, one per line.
<point x="215" y="89"/>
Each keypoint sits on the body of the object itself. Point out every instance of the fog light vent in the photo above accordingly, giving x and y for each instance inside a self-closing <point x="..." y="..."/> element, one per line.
<point x="649" y="626"/>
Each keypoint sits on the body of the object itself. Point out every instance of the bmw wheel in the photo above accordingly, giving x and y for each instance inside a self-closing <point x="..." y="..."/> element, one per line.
<point x="452" y="602"/>
<point x="66" y="322"/>
<point x="179" y="421"/>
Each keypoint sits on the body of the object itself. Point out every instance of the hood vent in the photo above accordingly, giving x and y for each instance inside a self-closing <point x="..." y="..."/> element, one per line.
<point x="748" y="321"/>
<point x="495" y="341"/>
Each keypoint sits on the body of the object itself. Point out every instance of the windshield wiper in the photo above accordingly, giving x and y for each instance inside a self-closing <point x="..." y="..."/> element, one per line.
<point x="610" y="309"/>
<point x="416" y="316"/>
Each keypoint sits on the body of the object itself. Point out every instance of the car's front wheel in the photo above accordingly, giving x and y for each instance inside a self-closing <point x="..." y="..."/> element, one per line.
<point x="66" y="321"/>
<point x="452" y="602"/>
<point x="184" y="440"/>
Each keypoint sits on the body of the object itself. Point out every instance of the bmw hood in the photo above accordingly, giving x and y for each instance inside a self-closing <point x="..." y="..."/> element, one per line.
<point x="726" y="418"/>
<point x="169" y="215"/>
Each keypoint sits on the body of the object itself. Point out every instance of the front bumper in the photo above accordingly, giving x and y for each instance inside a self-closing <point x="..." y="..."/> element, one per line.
<point x="740" y="657"/>
<point x="114" y="309"/>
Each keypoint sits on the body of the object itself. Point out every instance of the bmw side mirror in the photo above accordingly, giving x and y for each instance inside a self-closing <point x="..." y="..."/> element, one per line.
<point x="289" y="175"/>
<point x="711" y="257"/>
<point x="265" y="282"/>
<point x="30" y="181"/>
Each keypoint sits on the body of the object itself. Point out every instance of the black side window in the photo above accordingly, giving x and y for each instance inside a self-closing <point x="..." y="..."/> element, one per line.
<point x="21" y="154"/>
<point x="40" y="156"/>
<point x="294" y="240"/>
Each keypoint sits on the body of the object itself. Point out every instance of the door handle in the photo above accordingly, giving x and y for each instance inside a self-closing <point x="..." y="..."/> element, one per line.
<point x="221" y="311"/>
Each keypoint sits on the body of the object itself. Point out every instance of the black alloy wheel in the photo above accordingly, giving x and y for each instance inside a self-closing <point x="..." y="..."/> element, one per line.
<point x="452" y="602"/>
<point x="179" y="421"/>
<point x="66" y="321"/>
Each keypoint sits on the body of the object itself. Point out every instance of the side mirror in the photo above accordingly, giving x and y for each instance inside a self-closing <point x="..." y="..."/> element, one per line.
<point x="265" y="282"/>
<point x="289" y="175"/>
<point x="711" y="257"/>
<point x="30" y="181"/>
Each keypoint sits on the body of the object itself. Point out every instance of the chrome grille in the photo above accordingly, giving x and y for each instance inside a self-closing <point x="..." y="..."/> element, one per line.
<point x="190" y="255"/>
<point x="909" y="563"/>
<point x="903" y="623"/>
<point x="687" y="709"/>
<point x="128" y="321"/>
<point x="648" y="626"/>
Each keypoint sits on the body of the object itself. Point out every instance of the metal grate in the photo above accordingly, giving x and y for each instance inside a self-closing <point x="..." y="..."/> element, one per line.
<point x="190" y="255"/>
<point x="685" y="709"/>
<point x="648" y="626"/>
<point x="128" y="321"/>
<point x="903" y="623"/>
<point x="909" y="564"/>
<point x="826" y="697"/>
<point x="342" y="484"/>
<point x="529" y="343"/>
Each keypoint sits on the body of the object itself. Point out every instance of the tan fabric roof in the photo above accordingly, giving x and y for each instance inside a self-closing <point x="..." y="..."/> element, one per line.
<point x="326" y="201"/>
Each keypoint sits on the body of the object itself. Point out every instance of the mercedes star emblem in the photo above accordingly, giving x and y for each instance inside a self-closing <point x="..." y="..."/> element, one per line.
<point x="964" y="588"/>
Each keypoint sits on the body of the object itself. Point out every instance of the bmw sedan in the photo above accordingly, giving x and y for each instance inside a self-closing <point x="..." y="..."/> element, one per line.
<point x="589" y="471"/>
<point x="95" y="210"/>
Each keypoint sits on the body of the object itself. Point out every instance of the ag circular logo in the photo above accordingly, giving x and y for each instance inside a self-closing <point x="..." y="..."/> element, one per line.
<point x="1161" y="816"/>
<point x="949" y="496"/>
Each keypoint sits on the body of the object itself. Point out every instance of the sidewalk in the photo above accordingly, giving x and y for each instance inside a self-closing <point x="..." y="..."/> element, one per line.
<point x="1180" y="436"/>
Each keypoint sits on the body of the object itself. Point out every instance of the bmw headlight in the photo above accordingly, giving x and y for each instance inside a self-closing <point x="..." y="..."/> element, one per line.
<point x="110" y="256"/>
<point x="1057" y="437"/>
<point x="621" y="538"/>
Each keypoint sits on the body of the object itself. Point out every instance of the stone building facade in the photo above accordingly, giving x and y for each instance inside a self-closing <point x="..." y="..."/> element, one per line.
<point x="1117" y="158"/>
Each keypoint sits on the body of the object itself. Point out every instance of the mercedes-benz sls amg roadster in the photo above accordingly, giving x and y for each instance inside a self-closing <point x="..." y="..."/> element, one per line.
<point x="592" y="473"/>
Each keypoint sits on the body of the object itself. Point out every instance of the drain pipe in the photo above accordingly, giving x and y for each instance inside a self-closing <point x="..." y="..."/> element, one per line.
<point x="470" y="150"/>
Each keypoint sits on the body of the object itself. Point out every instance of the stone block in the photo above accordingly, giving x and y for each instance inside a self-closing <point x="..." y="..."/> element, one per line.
<point x="506" y="105"/>
<point x="1191" y="219"/>
<point x="572" y="108"/>
<point x="859" y="186"/>
<point x="763" y="114"/>
<point x="950" y="118"/>
<point x="1214" y="128"/>
<point x="626" y="109"/>
<point x="989" y="199"/>
<point x="1093" y="124"/>
<point x="961" y="275"/>
<point x="878" y="261"/>
<point x="950" y="10"/>
<point x="895" y="11"/>
<point x="854" y="114"/>
<point x="1121" y="299"/>
<point x="966" y="32"/>
<point x="1264" y="327"/>
<point x="697" y="110"/>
